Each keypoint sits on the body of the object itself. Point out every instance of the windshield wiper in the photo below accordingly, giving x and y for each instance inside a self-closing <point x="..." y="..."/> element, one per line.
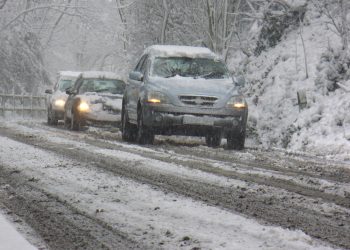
<point x="212" y="75"/>
<point x="175" y="73"/>
<point x="172" y="75"/>
<point x="102" y="90"/>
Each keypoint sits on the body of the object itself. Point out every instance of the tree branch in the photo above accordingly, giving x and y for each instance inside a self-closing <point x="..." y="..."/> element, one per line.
<point x="2" y="4"/>
<point x="53" y="7"/>
<point x="56" y="24"/>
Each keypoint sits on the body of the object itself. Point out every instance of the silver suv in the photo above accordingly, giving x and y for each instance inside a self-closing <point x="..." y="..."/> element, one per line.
<point x="180" y="90"/>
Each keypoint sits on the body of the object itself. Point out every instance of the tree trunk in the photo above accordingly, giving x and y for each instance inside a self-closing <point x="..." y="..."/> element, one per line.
<point x="345" y="29"/>
<point x="125" y="26"/>
<point x="165" y="22"/>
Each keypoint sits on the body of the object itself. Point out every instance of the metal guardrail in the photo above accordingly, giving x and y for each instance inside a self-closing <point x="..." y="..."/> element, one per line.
<point x="22" y="105"/>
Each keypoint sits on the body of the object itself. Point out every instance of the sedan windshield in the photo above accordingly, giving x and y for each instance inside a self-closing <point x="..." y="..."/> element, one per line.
<point x="64" y="84"/>
<point x="102" y="85"/>
<point x="189" y="67"/>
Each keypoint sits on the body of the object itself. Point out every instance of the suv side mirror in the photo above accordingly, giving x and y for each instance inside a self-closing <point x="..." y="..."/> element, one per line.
<point x="48" y="91"/>
<point x="137" y="76"/>
<point x="239" y="81"/>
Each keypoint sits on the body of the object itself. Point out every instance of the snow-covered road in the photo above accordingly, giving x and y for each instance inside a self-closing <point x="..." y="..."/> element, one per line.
<point x="93" y="190"/>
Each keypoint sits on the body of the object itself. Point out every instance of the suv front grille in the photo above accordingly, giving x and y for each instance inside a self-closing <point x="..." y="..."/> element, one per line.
<point x="207" y="101"/>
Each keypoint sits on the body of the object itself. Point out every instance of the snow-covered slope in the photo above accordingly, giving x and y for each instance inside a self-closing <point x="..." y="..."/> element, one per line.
<point x="275" y="77"/>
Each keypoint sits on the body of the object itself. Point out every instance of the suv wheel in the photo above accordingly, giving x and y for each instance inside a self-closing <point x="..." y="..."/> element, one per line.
<point x="236" y="140"/>
<point x="213" y="139"/>
<point x="129" y="131"/>
<point x="51" y="119"/>
<point x="144" y="134"/>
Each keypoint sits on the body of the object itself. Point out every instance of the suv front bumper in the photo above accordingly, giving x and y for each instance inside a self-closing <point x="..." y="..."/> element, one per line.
<point x="171" y="119"/>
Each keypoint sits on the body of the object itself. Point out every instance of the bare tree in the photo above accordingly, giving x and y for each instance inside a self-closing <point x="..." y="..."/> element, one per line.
<point x="344" y="29"/>
<point x="336" y="12"/>
<point x="57" y="22"/>
<point x="123" y="19"/>
<point x="2" y="4"/>
<point x="165" y="21"/>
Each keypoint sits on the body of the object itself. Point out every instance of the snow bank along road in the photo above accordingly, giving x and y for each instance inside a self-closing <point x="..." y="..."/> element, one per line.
<point x="90" y="190"/>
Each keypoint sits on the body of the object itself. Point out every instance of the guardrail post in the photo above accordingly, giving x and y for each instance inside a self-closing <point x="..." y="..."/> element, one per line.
<point x="302" y="99"/>
<point x="2" y="106"/>
<point x="13" y="103"/>
<point x="22" y="105"/>
<point x="31" y="106"/>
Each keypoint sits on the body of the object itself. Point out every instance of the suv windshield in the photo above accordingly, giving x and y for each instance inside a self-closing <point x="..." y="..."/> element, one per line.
<point x="189" y="67"/>
<point x="64" y="84"/>
<point x="106" y="85"/>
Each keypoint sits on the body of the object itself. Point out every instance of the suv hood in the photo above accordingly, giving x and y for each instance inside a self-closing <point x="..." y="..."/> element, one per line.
<point x="193" y="86"/>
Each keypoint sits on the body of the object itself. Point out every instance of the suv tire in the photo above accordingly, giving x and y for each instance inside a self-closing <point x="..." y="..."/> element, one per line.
<point x="213" y="139"/>
<point x="236" y="140"/>
<point x="129" y="131"/>
<point x="144" y="134"/>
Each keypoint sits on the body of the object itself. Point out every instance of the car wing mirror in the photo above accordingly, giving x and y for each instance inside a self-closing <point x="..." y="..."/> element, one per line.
<point x="137" y="76"/>
<point x="48" y="91"/>
<point x="70" y="91"/>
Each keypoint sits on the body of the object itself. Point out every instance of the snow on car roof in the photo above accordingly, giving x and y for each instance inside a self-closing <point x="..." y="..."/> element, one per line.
<point x="101" y="74"/>
<point x="69" y="74"/>
<point x="180" y="51"/>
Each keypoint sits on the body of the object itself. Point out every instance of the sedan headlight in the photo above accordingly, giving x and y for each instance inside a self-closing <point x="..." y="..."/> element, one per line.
<point x="59" y="103"/>
<point x="83" y="106"/>
<point x="237" y="102"/>
<point x="157" y="98"/>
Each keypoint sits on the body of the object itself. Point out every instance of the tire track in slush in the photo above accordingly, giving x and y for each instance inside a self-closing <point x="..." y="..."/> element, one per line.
<point x="274" y="208"/>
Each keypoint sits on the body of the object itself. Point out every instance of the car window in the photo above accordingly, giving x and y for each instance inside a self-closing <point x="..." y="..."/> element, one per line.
<point x="189" y="67"/>
<point x="64" y="84"/>
<point x="138" y="67"/>
<point x="112" y="86"/>
<point x="144" y="66"/>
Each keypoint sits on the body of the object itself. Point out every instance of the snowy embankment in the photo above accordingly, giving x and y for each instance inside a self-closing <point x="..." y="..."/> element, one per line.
<point x="10" y="238"/>
<point x="275" y="77"/>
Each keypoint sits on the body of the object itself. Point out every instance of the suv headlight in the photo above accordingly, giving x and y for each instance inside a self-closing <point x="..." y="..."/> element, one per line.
<point x="237" y="102"/>
<point x="155" y="97"/>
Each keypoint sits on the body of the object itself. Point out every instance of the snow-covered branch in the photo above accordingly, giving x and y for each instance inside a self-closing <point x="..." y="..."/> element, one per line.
<point x="2" y="4"/>
<point x="51" y="7"/>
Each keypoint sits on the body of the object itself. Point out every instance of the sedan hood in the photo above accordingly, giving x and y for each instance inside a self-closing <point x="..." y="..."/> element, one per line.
<point x="103" y="100"/>
<point x="190" y="86"/>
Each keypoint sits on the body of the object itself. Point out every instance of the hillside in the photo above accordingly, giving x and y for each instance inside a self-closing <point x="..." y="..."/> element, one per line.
<point x="275" y="77"/>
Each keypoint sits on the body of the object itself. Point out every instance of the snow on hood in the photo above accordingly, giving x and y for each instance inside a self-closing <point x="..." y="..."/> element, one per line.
<point x="113" y="101"/>
<point x="179" y="85"/>
<point x="179" y="51"/>
<point x="59" y="95"/>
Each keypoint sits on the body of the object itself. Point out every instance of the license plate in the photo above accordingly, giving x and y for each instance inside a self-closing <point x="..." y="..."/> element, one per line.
<point x="194" y="120"/>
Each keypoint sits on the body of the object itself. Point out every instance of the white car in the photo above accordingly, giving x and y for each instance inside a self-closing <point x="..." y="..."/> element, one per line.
<point x="57" y="97"/>
<point x="96" y="97"/>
